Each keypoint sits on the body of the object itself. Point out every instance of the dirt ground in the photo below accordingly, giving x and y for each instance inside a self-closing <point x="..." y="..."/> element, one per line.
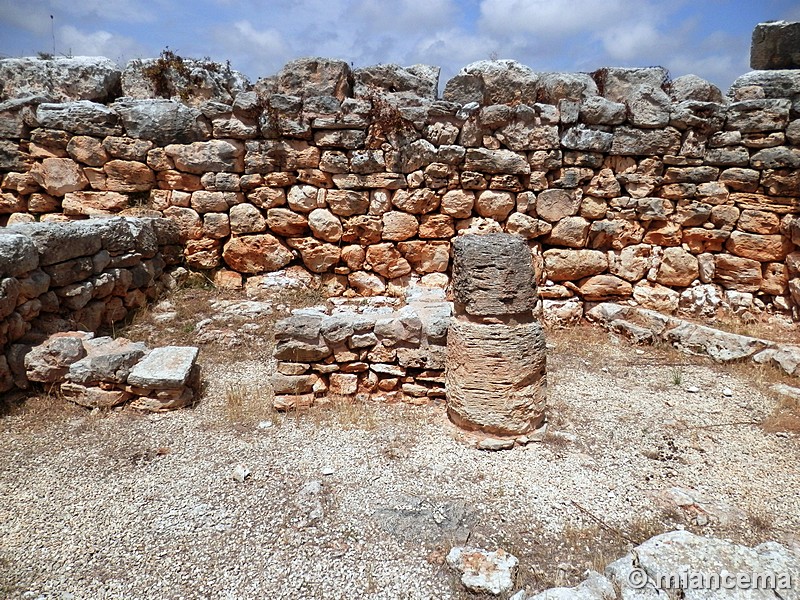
<point x="121" y="504"/>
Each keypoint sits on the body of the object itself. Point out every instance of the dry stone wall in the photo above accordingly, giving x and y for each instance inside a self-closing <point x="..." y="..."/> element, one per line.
<point x="376" y="349"/>
<point x="61" y="277"/>
<point x="627" y="186"/>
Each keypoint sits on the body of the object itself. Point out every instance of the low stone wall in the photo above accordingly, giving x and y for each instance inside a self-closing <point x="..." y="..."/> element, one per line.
<point x="374" y="349"/>
<point x="57" y="277"/>
<point x="626" y="184"/>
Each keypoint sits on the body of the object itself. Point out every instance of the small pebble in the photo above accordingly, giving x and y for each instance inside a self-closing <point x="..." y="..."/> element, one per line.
<point x="693" y="389"/>
<point x="639" y="352"/>
<point x="327" y="471"/>
<point x="727" y="392"/>
<point x="240" y="473"/>
<point x="264" y="424"/>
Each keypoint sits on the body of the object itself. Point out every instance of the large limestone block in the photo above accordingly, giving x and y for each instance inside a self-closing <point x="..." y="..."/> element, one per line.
<point x="692" y="87"/>
<point x="202" y="157"/>
<point x="109" y="360"/>
<point x="417" y="80"/>
<point x="59" y="176"/>
<point x="755" y="116"/>
<point x="775" y="45"/>
<point x="554" y="87"/>
<point x="190" y="81"/>
<point x="49" y="362"/>
<point x="737" y="273"/>
<point x="59" y="242"/>
<point x="571" y="265"/>
<point x="493" y="275"/>
<point x="82" y="118"/>
<point x="18" y="255"/>
<point x="168" y="367"/>
<point x="495" y="376"/>
<point x="315" y="76"/>
<point x="492" y="82"/>
<point x="619" y="84"/>
<point x="762" y="248"/>
<point x="256" y="254"/>
<point x="629" y="141"/>
<point x="160" y="121"/>
<point x="93" y="396"/>
<point x="59" y="79"/>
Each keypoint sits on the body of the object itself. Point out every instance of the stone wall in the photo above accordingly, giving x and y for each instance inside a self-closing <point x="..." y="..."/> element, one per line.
<point x="57" y="277"/>
<point x="375" y="349"/>
<point x="628" y="185"/>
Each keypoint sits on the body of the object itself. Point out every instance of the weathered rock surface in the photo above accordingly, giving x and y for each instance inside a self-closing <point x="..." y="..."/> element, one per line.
<point x="484" y="571"/>
<point x="775" y="46"/>
<point x="168" y="367"/>
<point x="60" y="79"/>
<point x="659" y="561"/>
<point x="649" y="326"/>
<point x="493" y="275"/>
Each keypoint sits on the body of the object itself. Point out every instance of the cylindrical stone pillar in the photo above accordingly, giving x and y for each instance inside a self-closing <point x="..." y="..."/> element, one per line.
<point x="495" y="373"/>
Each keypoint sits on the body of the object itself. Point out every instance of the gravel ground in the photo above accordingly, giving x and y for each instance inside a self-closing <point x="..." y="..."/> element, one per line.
<point x="128" y="505"/>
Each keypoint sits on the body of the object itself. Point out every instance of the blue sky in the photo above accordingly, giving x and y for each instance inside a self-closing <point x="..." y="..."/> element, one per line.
<point x="709" y="38"/>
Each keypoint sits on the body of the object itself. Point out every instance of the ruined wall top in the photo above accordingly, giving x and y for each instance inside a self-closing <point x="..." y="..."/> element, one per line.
<point x="202" y="83"/>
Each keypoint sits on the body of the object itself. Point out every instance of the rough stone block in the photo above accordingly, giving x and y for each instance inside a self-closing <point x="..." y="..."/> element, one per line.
<point x="493" y="275"/>
<point x="775" y="45"/>
<point x="164" y="368"/>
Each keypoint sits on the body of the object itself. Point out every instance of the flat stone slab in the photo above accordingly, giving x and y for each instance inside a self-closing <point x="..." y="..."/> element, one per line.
<point x="164" y="368"/>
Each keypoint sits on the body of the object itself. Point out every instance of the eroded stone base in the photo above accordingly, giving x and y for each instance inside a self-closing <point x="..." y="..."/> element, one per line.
<point x="496" y="379"/>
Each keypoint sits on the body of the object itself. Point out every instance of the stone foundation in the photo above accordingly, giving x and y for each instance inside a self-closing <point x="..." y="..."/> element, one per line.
<point x="57" y="277"/>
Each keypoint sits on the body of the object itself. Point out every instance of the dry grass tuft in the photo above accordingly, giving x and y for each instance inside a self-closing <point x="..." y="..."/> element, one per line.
<point x="249" y="405"/>
<point x="41" y="407"/>
<point x="760" y="520"/>
<point x="342" y="413"/>
<point x="785" y="418"/>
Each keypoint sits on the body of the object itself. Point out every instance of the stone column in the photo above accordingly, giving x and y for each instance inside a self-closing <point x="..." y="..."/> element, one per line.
<point x="495" y="371"/>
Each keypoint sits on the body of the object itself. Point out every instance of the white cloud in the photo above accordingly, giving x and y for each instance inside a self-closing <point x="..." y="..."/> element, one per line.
<point x="251" y="50"/>
<point x="127" y="11"/>
<point x="411" y="15"/>
<point x="70" y="40"/>
<point x="550" y="18"/>
<point x="634" y="42"/>
<point x="35" y="19"/>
